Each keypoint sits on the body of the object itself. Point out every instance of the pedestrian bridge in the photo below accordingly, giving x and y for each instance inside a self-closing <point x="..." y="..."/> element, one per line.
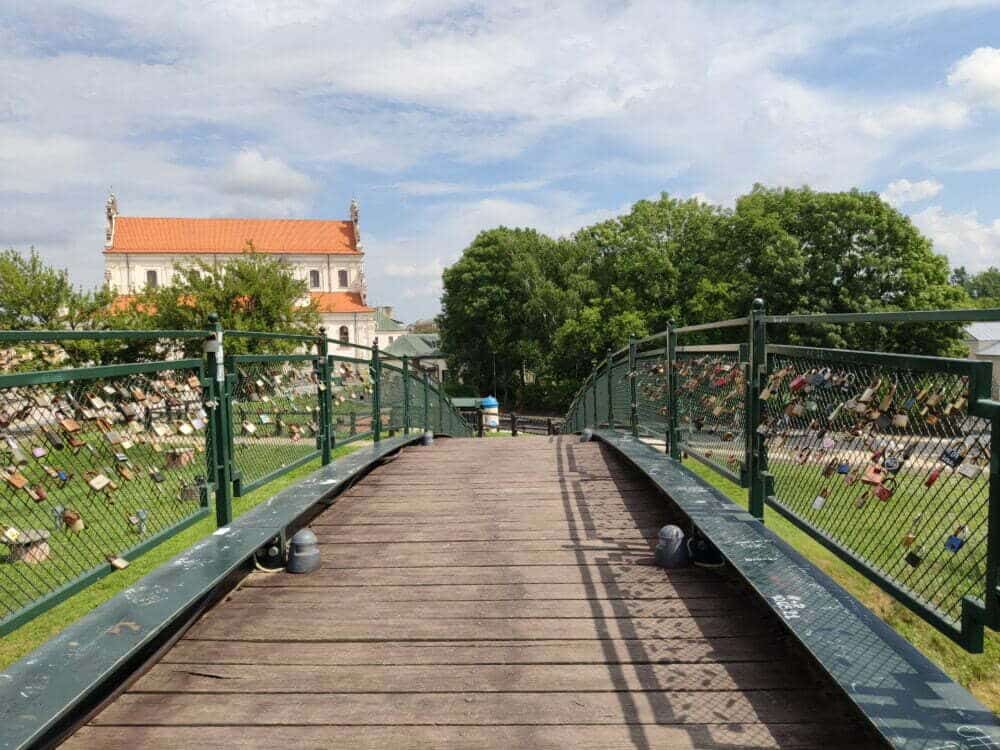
<point x="490" y="593"/>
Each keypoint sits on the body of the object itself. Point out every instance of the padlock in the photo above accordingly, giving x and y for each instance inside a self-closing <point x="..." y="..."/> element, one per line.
<point x="798" y="383"/>
<point x="969" y="470"/>
<point x="874" y="474"/>
<point x="830" y="468"/>
<point x="843" y="467"/>
<point x="766" y="393"/>
<point x="886" y="401"/>
<point x="954" y="454"/>
<point x="909" y="539"/>
<point x="869" y="392"/>
<point x="892" y="464"/>
<point x="899" y="419"/>
<point x="852" y="477"/>
<point x="956" y="541"/>
<point x="885" y="490"/>
<point x="820" y="499"/>
<point x="802" y="456"/>
<point x="914" y="558"/>
<point x="861" y="501"/>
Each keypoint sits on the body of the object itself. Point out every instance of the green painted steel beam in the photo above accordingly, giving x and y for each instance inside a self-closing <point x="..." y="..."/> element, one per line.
<point x="731" y="323"/>
<point x="912" y="316"/>
<point x="101" y="372"/>
<point x="67" y="335"/>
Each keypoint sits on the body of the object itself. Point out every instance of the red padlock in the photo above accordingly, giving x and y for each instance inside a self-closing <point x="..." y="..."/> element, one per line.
<point x="933" y="476"/>
<point x="884" y="491"/>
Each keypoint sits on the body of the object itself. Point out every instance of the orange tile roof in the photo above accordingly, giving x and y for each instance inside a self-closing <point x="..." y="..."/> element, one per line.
<point x="339" y="302"/>
<point x="135" y="234"/>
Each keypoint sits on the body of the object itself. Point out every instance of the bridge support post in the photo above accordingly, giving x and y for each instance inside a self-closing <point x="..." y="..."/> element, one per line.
<point x="756" y="461"/>
<point x="375" y="373"/>
<point x="611" y="391"/>
<point x="406" y="395"/>
<point x="673" y="434"/>
<point x="219" y="434"/>
<point x="596" y="418"/>
<point x="428" y="427"/>
<point x="633" y="385"/>
<point x="326" y="431"/>
<point x="513" y="424"/>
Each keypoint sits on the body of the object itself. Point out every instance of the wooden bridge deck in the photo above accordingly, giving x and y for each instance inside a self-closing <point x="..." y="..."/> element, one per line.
<point x="485" y="594"/>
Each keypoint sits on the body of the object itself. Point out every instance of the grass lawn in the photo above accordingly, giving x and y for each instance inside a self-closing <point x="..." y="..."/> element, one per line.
<point x="32" y="634"/>
<point x="979" y="673"/>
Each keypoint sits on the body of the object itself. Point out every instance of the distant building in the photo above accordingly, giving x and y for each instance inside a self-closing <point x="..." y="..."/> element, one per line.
<point x="140" y="252"/>
<point x="387" y="328"/>
<point x="983" y="340"/>
<point x="424" y="348"/>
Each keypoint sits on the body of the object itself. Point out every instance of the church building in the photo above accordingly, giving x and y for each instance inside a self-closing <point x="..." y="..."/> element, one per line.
<point x="140" y="252"/>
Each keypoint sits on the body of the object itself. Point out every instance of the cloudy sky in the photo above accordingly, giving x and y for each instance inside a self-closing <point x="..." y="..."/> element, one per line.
<point x="444" y="117"/>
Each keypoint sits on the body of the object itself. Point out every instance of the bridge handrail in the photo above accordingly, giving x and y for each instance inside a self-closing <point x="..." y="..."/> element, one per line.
<point x="100" y="463"/>
<point x="891" y="461"/>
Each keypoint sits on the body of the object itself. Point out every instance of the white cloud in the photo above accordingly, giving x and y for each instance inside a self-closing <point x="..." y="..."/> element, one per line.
<point x="433" y="189"/>
<point x="978" y="76"/>
<point x="961" y="236"/>
<point x="900" y="192"/>
<point x="251" y="174"/>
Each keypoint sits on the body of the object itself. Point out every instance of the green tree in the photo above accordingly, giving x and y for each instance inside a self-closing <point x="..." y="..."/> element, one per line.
<point x="804" y="251"/>
<point x="32" y="293"/>
<point x="498" y="306"/>
<point x="250" y="292"/>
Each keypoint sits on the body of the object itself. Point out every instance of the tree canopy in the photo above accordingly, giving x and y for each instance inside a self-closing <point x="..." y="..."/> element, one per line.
<point x="554" y="307"/>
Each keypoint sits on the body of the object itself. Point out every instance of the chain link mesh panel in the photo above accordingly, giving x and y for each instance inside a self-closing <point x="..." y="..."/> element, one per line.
<point x="601" y="398"/>
<point x="651" y="394"/>
<point x="392" y="398"/>
<point x="93" y="467"/>
<point x="883" y="458"/>
<point x="621" y="395"/>
<point x="351" y="391"/>
<point x="711" y="407"/>
<point x="275" y="415"/>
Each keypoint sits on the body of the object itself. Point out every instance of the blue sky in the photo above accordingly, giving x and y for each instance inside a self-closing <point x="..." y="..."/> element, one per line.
<point x="445" y="117"/>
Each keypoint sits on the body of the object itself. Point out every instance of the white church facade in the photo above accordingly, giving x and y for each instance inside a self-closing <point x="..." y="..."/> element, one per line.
<point x="140" y="252"/>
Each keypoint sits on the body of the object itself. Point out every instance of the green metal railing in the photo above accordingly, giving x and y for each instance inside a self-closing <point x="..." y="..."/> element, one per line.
<point x="889" y="460"/>
<point x="100" y="463"/>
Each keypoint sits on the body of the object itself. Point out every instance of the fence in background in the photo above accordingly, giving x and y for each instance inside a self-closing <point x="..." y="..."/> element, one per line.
<point x="889" y="460"/>
<point x="99" y="464"/>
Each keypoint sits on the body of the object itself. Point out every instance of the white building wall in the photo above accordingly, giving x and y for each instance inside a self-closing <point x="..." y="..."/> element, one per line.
<point x="126" y="272"/>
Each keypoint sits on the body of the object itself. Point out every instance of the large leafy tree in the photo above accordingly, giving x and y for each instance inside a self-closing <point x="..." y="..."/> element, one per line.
<point x="251" y="292"/>
<point x="498" y="306"/>
<point x="32" y="293"/>
<point x="983" y="287"/>
<point x="804" y="251"/>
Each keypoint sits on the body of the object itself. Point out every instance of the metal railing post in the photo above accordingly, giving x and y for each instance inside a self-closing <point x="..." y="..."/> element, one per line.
<point x="376" y="378"/>
<point x="513" y="424"/>
<point x="326" y="434"/>
<point x="756" y="461"/>
<point x="406" y="395"/>
<point x="427" y="404"/>
<point x="673" y="433"/>
<point x="480" y="426"/>
<point x="611" y="391"/>
<point x="596" y="418"/>
<point x="220" y="423"/>
<point x="441" y="398"/>
<point x="633" y="377"/>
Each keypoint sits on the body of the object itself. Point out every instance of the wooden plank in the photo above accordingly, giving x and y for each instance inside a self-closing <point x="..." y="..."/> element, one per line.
<point x="263" y="588"/>
<point x="350" y="608"/>
<point x="393" y="534"/>
<point x="395" y="709"/>
<point x="341" y="545"/>
<point x="471" y="679"/>
<point x="730" y="736"/>
<point x="664" y="651"/>
<point x="333" y="557"/>
<point x="609" y="574"/>
<point x="228" y="623"/>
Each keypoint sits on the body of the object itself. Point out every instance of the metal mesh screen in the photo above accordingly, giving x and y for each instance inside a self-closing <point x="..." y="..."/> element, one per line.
<point x="711" y="405"/>
<point x="880" y="455"/>
<point x="651" y="394"/>
<point x="392" y="398"/>
<point x="91" y="468"/>
<point x="351" y="391"/>
<point x="275" y="415"/>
